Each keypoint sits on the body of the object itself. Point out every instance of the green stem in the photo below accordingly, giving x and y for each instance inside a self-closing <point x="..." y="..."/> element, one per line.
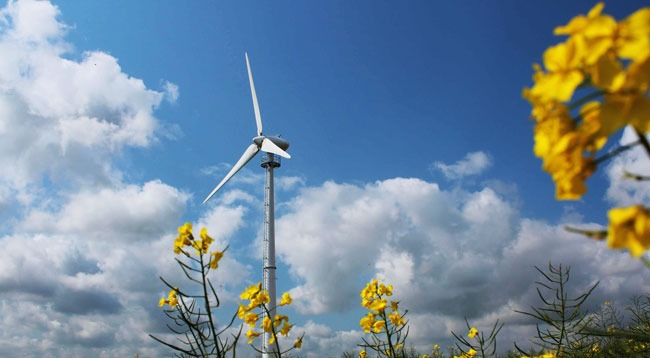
<point x="615" y="152"/>
<point x="643" y="140"/>
<point x="586" y="99"/>
<point x="207" y="304"/>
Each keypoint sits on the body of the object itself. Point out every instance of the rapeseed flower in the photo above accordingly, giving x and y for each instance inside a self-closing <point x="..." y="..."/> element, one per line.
<point x="629" y="228"/>
<point x="286" y="299"/>
<point x="396" y="319"/>
<point x="215" y="257"/>
<point x="171" y="300"/>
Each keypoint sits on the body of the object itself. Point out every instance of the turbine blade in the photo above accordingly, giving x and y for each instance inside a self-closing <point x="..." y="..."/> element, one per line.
<point x="270" y="147"/>
<point x="258" y="117"/>
<point x="245" y="158"/>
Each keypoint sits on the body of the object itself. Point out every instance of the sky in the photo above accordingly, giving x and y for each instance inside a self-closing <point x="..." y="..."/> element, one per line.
<point x="411" y="162"/>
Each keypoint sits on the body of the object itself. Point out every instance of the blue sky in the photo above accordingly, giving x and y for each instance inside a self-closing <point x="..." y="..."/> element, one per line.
<point x="411" y="161"/>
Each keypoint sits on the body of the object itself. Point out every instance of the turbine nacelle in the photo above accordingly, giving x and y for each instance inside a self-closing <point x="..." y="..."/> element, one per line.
<point x="283" y="144"/>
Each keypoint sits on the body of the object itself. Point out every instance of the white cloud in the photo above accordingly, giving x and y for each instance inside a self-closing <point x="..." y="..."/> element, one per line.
<point x="171" y="91"/>
<point x="445" y="253"/>
<point x="59" y="117"/>
<point x="121" y="214"/>
<point x="473" y="163"/>
<point x="31" y="20"/>
<point x="289" y="182"/>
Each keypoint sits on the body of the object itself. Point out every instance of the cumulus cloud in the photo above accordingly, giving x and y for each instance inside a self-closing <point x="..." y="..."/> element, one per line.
<point x="171" y="91"/>
<point x="81" y="248"/>
<point x="60" y="117"/>
<point x="473" y="163"/>
<point x="449" y="254"/>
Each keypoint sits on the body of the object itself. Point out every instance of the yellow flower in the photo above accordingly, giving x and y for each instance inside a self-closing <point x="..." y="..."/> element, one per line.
<point x="285" y="329"/>
<point x="205" y="237"/>
<point x="629" y="228"/>
<point x="365" y="302"/>
<point x="286" y="299"/>
<point x="548" y="132"/>
<point x="184" y="238"/>
<point x="185" y="229"/>
<point x="367" y="321"/>
<point x="436" y="347"/>
<point x="363" y="354"/>
<point x="278" y="319"/>
<point x="633" y="39"/>
<point x="298" y="343"/>
<point x="563" y="63"/>
<point x="472" y="332"/>
<point x="214" y="260"/>
<point x="378" y="326"/>
<point x="580" y="22"/>
<point x="630" y="105"/>
<point x="607" y="72"/>
<point x="385" y="290"/>
<point x="393" y="305"/>
<point x="568" y="167"/>
<point x="378" y="305"/>
<point x="251" y="291"/>
<point x="267" y="324"/>
<point x="370" y="290"/>
<point x="171" y="300"/>
<point x="241" y="311"/>
<point x="251" y="318"/>
<point x="252" y="335"/>
<point x="396" y="319"/>
<point x="260" y="298"/>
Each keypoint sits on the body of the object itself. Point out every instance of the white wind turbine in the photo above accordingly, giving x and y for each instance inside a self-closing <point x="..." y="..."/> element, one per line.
<point x="272" y="146"/>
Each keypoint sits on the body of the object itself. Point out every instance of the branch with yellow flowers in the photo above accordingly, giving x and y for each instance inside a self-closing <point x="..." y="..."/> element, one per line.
<point x="192" y="312"/>
<point x="259" y="299"/>
<point x="379" y="322"/>
<point x="609" y="60"/>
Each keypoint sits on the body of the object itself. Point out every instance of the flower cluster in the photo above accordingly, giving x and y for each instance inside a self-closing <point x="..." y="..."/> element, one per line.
<point x="611" y="57"/>
<point x="171" y="300"/>
<point x="629" y="228"/>
<point x="473" y="332"/>
<point x="258" y="298"/>
<point x="373" y="298"/>
<point x="383" y="321"/>
<point x="202" y="245"/>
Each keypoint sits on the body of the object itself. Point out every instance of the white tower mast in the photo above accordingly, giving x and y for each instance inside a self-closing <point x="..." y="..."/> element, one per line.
<point x="269" y="162"/>
<point x="274" y="148"/>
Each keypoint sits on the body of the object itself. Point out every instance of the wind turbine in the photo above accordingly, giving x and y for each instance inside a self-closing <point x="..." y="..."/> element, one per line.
<point x="273" y="146"/>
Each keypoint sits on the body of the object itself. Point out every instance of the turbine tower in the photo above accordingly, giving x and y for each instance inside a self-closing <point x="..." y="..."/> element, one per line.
<point x="273" y="148"/>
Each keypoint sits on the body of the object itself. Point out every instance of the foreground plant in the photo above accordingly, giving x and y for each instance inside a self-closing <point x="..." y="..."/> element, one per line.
<point x="383" y="322"/>
<point x="562" y="328"/>
<point x="476" y="342"/>
<point x="259" y="299"/>
<point x="591" y="86"/>
<point x="192" y="311"/>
